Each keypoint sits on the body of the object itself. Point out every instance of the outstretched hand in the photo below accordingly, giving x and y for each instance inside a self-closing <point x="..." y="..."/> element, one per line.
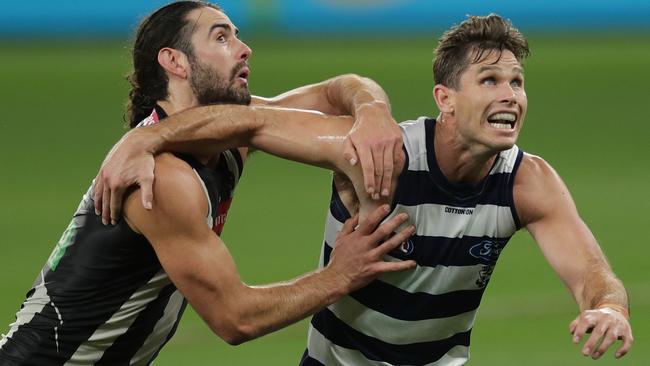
<point x="376" y="142"/>
<point x="358" y="254"/>
<point x="606" y="325"/>
<point x="128" y="163"/>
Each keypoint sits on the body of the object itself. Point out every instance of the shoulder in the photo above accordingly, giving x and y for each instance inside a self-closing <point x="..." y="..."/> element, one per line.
<point x="178" y="195"/>
<point x="534" y="167"/>
<point x="175" y="179"/>
<point x="538" y="189"/>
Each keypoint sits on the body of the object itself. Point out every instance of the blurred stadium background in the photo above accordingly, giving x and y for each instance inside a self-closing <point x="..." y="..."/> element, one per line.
<point x="62" y="67"/>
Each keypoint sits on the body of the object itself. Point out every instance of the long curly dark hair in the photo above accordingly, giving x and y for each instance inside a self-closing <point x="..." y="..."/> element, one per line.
<point x="166" y="27"/>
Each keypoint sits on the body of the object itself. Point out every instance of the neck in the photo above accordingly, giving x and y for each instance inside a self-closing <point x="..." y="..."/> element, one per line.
<point x="460" y="161"/>
<point x="179" y="99"/>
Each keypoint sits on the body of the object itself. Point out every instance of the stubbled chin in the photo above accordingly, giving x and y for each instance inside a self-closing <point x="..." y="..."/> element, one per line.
<point x="504" y="141"/>
<point x="504" y="144"/>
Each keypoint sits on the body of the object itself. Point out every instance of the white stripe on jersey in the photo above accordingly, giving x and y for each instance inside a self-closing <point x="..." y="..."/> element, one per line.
<point x="432" y="220"/>
<point x="507" y="158"/>
<point x="436" y="280"/>
<point x="231" y="161"/>
<point x="209" y="220"/>
<point x="414" y="136"/>
<point x="396" y="331"/>
<point x="32" y="306"/>
<point x="328" y="353"/>
<point x="161" y="330"/>
<point x="91" y="350"/>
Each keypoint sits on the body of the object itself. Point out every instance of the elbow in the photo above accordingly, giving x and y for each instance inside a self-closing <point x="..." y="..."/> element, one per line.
<point x="235" y="331"/>
<point x="238" y="336"/>
<point x="235" y="339"/>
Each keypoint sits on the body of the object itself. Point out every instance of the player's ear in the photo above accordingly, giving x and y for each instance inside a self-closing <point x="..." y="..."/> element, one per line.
<point x="173" y="61"/>
<point x="444" y="98"/>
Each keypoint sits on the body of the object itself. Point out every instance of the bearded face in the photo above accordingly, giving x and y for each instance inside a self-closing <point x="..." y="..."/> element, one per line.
<point x="211" y="88"/>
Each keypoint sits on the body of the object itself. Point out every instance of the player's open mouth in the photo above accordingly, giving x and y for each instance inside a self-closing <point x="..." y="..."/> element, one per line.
<point x="243" y="74"/>
<point x="503" y="120"/>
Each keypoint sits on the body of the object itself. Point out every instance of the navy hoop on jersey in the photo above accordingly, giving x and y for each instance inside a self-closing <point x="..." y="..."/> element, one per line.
<point x="423" y="316"/>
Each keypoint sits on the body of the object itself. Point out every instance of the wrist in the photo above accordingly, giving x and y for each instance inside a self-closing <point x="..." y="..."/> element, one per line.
<point x="139" y="140"/>
<point x="372" y="106"/>
<point x="616" y="307"/>
<point x="155" y="140"/>
<point x="336" y="284"/>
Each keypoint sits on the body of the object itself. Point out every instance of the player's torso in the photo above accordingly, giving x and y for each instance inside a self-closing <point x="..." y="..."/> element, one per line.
<point x="424" y="315"/>
<point x="103" y="297"/>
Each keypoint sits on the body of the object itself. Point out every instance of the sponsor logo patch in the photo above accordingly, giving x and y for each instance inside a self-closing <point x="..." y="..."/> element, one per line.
<point x="407" y="247"/>
<point x="404" y="250"/>
<point x="459" y="211"/>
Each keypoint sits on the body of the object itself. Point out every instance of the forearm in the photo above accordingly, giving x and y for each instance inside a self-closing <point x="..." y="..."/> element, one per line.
<point x="602" y="288"/>
<point x="263" y="309"/>
<point x="303" y="136"/>
<point x="207" y="130"/>
<point x="293" y="134"/>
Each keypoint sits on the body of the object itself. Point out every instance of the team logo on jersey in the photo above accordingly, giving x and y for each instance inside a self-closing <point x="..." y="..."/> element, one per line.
<point x="486" y="250"/>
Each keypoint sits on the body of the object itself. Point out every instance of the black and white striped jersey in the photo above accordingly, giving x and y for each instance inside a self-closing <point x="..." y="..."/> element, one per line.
<point x="423" y="316"/>
<point x="103" y="298"/>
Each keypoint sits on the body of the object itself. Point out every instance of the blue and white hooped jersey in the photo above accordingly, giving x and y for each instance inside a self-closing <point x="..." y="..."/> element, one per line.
<point x="423" y="316"/>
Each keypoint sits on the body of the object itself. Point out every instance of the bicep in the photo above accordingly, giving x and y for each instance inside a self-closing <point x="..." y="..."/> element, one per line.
<point x="200" y="266"/>
<point x="193" y="256"/>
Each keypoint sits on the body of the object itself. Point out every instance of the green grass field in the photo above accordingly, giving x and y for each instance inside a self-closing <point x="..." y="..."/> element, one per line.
<point x="61" y="108"/>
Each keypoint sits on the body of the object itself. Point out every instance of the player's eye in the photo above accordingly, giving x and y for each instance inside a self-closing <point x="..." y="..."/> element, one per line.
<point x="488" y="81"/>
<point x="517" y="83"/>
<point x="221" y="38"/>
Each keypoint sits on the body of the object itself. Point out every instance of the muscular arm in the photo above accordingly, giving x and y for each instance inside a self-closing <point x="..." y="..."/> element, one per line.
<point x="306" y="136"/>
<point x="547" y="210"/>
<point x="201" y="130"/>
<point x="298" y="135"/>
<point x="201" y="267"/>
<point x="340" y="95"/>
<point x="374" y="137"/>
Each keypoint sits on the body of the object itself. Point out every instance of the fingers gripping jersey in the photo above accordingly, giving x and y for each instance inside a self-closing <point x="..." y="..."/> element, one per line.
<point x="422" y="316"/>
<point x="103" y="298"/>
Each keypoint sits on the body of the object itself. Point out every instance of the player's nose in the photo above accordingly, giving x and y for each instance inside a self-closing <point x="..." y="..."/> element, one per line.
<point x="245" y="52"/>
